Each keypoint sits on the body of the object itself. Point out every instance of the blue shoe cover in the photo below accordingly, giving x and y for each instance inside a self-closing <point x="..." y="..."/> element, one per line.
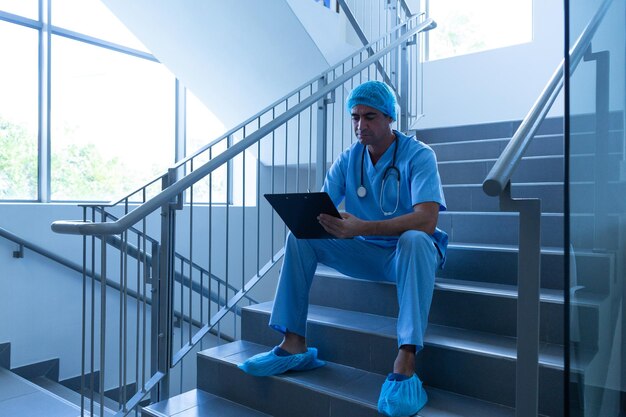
<point x="276" y="362"/>
<point x="401" y="397"/>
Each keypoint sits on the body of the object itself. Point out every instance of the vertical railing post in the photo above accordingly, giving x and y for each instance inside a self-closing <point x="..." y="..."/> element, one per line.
<point x="103" y="315"/>
<point x="322" y="137"/>
<point x="162" y="287"/>
<point x="602" y="120"/>
<point x="403" y="88"/>
<point x="392" y="13"/>
<point x="529" y="283"/>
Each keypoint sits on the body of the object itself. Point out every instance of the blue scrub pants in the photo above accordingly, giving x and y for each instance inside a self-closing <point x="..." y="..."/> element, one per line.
<point x="411" y="264"/>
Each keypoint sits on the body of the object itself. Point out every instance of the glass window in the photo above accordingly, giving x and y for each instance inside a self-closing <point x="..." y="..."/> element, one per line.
<point x="465" y="27"/>
<point x="112" y="121"/>
<point x="25" y="8"/>
<point x="18" y="112"/>
<point x="93" y="18"/>
<point x="597" y="212"/>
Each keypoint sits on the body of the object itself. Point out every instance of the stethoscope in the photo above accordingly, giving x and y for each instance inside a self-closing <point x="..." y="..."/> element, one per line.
<point x="361" y="191"/>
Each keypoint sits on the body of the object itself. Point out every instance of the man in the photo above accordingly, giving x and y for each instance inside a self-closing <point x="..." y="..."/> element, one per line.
<point x="393" y="196"/>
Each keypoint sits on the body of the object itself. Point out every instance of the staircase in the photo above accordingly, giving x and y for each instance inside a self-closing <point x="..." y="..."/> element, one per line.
<point x="468" y="363"/>
<point x="35" y="390"/>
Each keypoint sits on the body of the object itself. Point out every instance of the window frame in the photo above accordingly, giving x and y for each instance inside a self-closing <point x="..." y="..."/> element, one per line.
<point x="45" y="33"/>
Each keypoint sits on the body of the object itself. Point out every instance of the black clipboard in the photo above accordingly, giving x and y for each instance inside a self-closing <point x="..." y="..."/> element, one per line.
<point x="299" y="211"/>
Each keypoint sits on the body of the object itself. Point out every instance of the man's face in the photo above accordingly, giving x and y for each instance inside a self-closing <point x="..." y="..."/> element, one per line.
<point x="370" y="125"/>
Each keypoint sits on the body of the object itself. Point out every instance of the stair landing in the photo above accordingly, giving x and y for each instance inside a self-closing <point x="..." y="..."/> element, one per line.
<point x="19" y="397"/>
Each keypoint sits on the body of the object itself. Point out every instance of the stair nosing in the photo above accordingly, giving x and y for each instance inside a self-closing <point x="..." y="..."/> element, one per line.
<point x="506" y="345"/>
<point x="547" y="295"/>
<point x="336" y="392"/>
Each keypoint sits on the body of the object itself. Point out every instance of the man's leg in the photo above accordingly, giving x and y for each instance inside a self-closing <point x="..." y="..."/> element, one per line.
<point x="352" y="257"/>
<point x="416" y="260"/>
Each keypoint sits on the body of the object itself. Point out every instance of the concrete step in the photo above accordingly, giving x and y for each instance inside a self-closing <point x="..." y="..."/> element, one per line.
<point x="198" y="403"/>
<point x="471" y="197"/>
<point x="530" y="169"/>
<point x="471" y="305"/>
<point x="502" y="228"/>
<point x="20" y="397"/>
<point x="334" y="390"/>
<point x="541" y="168"/>
<point x="475" y="364"/>
<point x="504" y="129"/>
<point x="74" y="397"/>
<point x="541" y="145"/>
<point x="492" y="148"/>
<point x="498" y="264"/>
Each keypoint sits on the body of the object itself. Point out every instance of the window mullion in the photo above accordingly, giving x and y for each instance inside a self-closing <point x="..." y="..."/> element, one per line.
<point x="44" y="103"/>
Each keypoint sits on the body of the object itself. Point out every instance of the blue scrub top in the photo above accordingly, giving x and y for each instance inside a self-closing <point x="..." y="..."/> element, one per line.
<point x="419" y="182"/>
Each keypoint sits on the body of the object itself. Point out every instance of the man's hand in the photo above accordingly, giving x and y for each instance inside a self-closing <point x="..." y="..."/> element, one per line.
<point x="423" y="218"/>
<point x="346" y="227"/>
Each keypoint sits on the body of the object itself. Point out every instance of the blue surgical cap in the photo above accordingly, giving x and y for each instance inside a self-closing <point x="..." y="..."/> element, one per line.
<point x="375" y="94"/>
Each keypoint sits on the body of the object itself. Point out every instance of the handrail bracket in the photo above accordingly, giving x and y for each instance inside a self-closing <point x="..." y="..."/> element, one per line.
<point x="529" y="283"/>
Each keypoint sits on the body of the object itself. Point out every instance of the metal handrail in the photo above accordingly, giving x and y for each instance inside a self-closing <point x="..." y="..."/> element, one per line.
<point x="406" y="8"/>
<point x="505" y="166"/>
<point x="40" y="250"/>
<point x="170" y="193"/>
<point x="115" y="242"/>
<point x="133" y="252"/>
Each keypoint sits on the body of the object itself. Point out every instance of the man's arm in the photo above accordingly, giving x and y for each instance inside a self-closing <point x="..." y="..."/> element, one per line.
<point x="423" y="218"/>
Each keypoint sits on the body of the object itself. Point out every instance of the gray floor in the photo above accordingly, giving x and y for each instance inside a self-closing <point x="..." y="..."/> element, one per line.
<point x="19" y="397"/>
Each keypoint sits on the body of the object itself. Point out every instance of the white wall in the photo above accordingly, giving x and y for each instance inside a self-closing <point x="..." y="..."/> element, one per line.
<point x="40" y="300"/>
<point x="496" y="85"/>
<point x="330" y="30"/>
<point x="237" y="56"/>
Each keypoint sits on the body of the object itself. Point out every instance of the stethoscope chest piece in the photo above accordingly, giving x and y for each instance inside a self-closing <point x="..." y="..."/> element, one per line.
<point x="391" y="170"/>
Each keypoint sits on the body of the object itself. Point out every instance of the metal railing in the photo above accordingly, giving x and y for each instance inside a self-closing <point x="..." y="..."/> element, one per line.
<point x="498" y="183"/>
<point x="363" y="16"/>
<point x="286" y="147"/>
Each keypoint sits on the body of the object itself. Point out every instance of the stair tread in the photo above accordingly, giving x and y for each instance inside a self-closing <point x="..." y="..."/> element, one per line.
<point x="504" y="139"/>
<point x="357" y="385"/>
<point x="550" y="355"/>
<point x="199" y="403"/>
<point x="493" y="159"/>
<point x="73" y="396"/>
<point x="18" y="396"/>
<point x="581" y="297"/>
